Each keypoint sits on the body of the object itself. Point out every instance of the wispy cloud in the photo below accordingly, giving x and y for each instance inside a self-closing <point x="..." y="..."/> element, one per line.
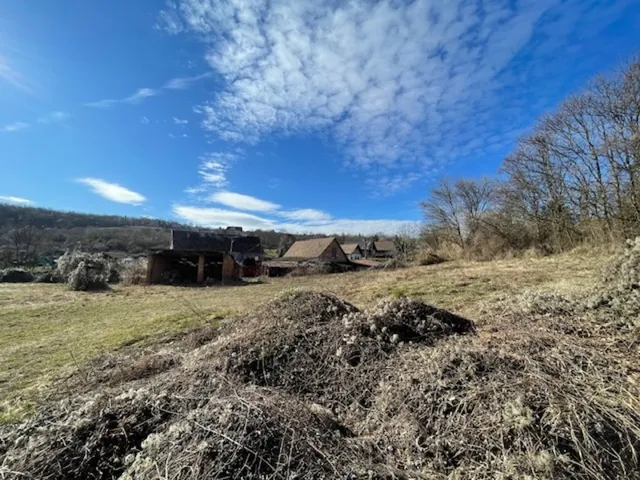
<point x="179" y="121"/>
<point x="216" y="217"/>
<point x="402" y="85"/>
<point x="135" y="98"/>
<point x="14" y="200"/>
<point x="307" y="214"/>
<point x="54" y="117"/>
<point x="15" y="127"/>
<point x="142" y="94"/>
<point x="182" y="83"/>
<point x="13" y="77"/>
<point x="169" y="19"/>
<point x="243" y="202"/>
<point x="112" y="191"/>
<point x="213" y="171"/>
<point x="144" y="120"/>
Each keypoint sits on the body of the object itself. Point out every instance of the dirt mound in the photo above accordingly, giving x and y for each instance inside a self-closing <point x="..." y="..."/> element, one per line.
<point x="85" y="437"/>
<point x="324" y="349"/>
<point x="310" y="387"/>
<point x="531" y="410"/>
<point x="252" y="434"/>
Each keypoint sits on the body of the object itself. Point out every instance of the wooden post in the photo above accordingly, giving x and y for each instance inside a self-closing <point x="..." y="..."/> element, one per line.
<point x="150" y="265"/>
<point x="201" y="269"/>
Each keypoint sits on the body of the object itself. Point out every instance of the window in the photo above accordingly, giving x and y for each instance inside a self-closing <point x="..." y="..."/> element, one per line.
<point x="334" y="252"/>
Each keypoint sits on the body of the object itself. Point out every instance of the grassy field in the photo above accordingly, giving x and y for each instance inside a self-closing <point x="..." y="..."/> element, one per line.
<point x="47" y="329"/>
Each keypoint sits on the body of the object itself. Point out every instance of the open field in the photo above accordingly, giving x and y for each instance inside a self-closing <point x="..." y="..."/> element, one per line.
<point x="45" y="329"/>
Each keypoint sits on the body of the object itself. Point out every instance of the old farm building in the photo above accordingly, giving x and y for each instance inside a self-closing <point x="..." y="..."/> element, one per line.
<point x="308" y="255"/>
<point x="198" y="257"/>
<point x="352" y="251"/>
<point x="381" y="249"/>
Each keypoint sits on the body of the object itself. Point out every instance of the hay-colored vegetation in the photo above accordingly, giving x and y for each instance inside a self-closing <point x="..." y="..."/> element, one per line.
<point x="310" y="386"/>
<point x="46" y="329"/>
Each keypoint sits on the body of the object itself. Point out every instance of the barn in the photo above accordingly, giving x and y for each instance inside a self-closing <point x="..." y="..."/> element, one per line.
<point x="199" y="257"/>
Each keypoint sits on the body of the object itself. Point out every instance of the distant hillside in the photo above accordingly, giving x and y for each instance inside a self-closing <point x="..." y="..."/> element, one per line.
<point x="36" y="235"/>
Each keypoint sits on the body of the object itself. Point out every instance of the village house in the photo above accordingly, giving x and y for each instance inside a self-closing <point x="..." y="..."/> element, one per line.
<point x="198" y="257"/>
<point x="325" y="249"/>
<point x="352" y="251"/>
<point x="380" y="249"/>
<point x="385" y="249"/>
<point x="309" y="254"/>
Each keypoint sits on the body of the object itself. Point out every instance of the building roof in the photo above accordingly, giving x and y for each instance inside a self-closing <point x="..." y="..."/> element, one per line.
<point x="350" y="248"/>
<point x="309" y="248"/>
<point x="367" y="263"/>
<point x="385" y="246"/>
<point x="190" y="241"/>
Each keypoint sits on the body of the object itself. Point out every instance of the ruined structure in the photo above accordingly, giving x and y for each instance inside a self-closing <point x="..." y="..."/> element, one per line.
<point x="199" y="257"/>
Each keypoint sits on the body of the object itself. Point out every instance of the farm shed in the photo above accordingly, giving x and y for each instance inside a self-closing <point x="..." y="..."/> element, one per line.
<point x="197" y="257"/>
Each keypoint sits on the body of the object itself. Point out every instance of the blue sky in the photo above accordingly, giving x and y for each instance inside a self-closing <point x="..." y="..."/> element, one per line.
<point x="304" y="116"/>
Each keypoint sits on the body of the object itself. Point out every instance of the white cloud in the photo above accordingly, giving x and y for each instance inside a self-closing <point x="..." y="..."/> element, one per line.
<point x="402" y="86"/>
<point x="144" y="93"/>
<point x="215" y="218"/>
<point x="307" y="214"/>
<point x="213" y="170"/>
<point x="15" y="126"/>
<point x="182" y="83"/>
<point x="169" y="19"/>
<point x="179" y="121"/>
<point x="133" y="99"/>
<point x="144" y="120"/>
<point x="141" y="94"/>
<point x="11" y="76"/>
<point x="54" y="117"/>
<point x="243" y="202"/>
<point x="113" y="191"/>
<point x="15" y="200"/>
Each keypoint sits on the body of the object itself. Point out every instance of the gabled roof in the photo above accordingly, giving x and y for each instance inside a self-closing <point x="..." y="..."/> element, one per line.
<point x="385" y="246"/>
<point x="309" y="248"/>
<point x="350" y="248"/>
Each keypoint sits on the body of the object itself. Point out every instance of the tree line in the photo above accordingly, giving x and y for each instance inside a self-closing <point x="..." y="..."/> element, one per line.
<point x="574" y="178"/>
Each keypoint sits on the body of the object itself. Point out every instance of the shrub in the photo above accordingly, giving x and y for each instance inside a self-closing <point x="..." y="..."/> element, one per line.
<point x="85" y="271"/>
<point x="134" y="273"/>
<point x="426" y="257"/>
<point x="48" y="277"/>
<point x="15" y="275"/>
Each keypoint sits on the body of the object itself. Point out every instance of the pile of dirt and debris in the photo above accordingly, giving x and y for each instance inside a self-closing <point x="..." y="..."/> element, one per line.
<point x="310" y="387"/>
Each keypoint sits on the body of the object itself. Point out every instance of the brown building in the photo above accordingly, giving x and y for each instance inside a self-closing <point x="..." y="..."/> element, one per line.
<point x="198" y="257"/>
<point x="323" y="249"/>
<point x="381" y="249"/>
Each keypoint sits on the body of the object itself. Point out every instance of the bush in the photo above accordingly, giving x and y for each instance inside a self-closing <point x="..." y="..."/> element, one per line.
<point x="48" y="277"/>
<point x="134" y="273"/>
<point x="15" y="275"/>
<point x="426" y="257"/>
<point x="85" y="271"/>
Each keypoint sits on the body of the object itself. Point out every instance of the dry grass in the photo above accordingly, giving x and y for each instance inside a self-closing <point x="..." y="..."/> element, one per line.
<point x="46" y="329"/>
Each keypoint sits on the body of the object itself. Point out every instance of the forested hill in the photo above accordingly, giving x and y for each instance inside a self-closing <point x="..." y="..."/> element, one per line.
<point x="36" y="235"/>
<point x="44" y="218"/>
